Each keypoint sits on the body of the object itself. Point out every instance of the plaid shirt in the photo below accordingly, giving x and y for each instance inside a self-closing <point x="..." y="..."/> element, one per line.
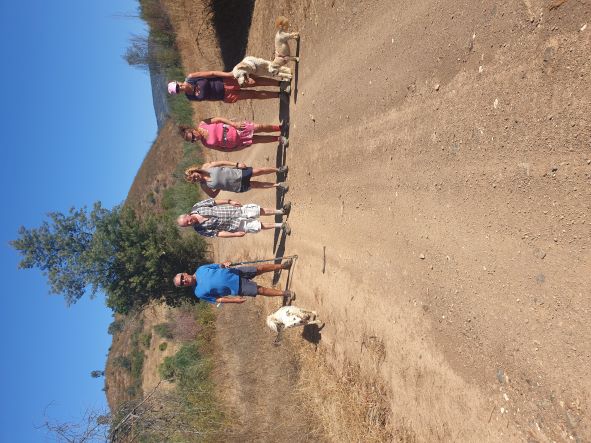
<point x="219" y="218"/>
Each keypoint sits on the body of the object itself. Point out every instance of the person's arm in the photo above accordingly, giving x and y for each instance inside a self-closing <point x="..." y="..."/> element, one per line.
<point x="228" y="202"/>
<point x="208" y="74"/>
<point x="231" y="300"/>
<point x="204" y="231"/>
<point x="222" y="163"/>
<point x="213" y="193"/>
<point x="226" y="234"/>
<point x="221" y="120"/>
<point x="204" y="203"/>
<point x="237" y="125"/>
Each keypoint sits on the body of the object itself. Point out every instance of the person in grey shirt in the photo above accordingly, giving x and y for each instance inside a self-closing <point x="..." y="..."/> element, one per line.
<point x="217" y="176"/>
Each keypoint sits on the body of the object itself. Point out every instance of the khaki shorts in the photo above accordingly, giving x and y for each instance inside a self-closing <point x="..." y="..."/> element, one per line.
<point x="251" y="210"/>
<point x="250" y="226"/>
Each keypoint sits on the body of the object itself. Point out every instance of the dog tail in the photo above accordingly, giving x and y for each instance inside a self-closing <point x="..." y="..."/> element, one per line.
<point x="281" y="23"/>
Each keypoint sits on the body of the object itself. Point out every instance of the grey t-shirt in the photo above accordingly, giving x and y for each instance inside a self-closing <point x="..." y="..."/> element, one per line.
<point x="227" y="179"/>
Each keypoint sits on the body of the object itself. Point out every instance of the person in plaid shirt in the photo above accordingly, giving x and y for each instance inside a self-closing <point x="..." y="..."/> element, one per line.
<point x="227" y="218"/>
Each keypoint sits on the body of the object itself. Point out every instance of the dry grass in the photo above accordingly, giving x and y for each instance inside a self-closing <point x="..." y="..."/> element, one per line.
<point x="155" y="173"/>
<point x="350" y="408"/>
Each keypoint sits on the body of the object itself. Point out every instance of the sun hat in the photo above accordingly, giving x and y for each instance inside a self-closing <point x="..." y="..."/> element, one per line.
<point x="172" y="88"/>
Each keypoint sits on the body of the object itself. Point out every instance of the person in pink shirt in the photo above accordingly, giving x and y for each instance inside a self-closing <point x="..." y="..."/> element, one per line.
<point x="222" y="134"/>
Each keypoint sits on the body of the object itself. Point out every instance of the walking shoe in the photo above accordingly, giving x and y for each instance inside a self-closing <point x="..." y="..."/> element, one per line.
<point x="283" y="169"/>
<point x="284" y="187"/>
<point x="283" y="141"/>
<point x="289" y="296"/>
<point x="286" y="208"/>
<point x="285" y="227"/>
<point x="287" y="264"/>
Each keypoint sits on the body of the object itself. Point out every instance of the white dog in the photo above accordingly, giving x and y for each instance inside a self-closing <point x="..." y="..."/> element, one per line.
<point x="282" y="37"/>
<point x="290" y="317"/>
<point x="261" y="67"/>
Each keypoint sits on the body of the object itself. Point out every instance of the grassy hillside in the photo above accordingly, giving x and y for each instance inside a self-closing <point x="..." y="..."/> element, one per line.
<point x="159" y="342"/>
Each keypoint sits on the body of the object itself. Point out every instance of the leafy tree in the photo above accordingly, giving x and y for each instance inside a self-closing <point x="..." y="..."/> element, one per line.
<point x="147" y="53"/>
<point x="131" y="258"/>
<point x="115" y="327"/>
<point x="59" y="249"/>
<point x="97" y="374"/>
<point x="122" y="361"/>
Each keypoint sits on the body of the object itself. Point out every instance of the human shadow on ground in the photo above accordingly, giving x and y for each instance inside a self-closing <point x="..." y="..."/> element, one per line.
<point x="279" y="253"/>
<point x="281" y="160"/>
<point x="297" y="73"/>
<point x="231" y="21"/>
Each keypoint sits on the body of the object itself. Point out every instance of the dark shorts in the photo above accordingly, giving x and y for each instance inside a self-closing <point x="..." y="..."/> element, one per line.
<point x="246" y="176"/>
<point x="247" y="286"/>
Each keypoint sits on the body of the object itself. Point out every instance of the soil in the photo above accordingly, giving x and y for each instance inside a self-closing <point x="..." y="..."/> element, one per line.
<point x="440" y="176"/>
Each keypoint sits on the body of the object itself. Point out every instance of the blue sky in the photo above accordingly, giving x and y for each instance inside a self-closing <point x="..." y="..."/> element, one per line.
<point x="76" y="123"/>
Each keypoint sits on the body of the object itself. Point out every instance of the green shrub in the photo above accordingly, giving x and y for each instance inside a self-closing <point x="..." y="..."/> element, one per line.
<point x="163" y="346"/>
<point x="145" y="340"/>
<point x="137" y="364"/>
<point x="167" y="369"/>
<point x="164" y="330"/>
<point x="122" y="361"/>
<point x="185" y="363"/>
<point x="115" y="327"/>
<point x="132" y="391"/>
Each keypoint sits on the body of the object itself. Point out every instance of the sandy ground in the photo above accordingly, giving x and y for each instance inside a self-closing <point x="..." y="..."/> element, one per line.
<point x="440" y="172"/>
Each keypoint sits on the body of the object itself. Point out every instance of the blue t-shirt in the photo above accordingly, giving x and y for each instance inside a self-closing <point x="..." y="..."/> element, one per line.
<point x="214" y="282"/>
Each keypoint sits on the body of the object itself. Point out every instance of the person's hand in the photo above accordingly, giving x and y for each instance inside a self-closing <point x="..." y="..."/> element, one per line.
<point x="242" y="166"/>
<point x="234" y="203"/>
<point x="226" y="264"/>
<point x="250" y="82"/>
<point x="241" y="233"/>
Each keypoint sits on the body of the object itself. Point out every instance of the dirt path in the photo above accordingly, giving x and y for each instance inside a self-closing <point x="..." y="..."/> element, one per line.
<point x="440" y="161"/>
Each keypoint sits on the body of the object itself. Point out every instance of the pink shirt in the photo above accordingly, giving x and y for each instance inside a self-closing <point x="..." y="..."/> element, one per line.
<point x="220" y="135"/>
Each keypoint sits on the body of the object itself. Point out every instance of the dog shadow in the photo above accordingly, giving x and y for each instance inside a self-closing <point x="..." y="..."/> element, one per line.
<point x="312" y="333"/>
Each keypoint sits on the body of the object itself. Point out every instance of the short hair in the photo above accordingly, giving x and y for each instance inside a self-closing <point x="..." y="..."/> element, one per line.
<point x="180" y="220"/>
<point x="176" y="279"/>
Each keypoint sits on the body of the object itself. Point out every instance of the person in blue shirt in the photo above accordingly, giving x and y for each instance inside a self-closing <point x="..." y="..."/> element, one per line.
<point x="220" y="283"/>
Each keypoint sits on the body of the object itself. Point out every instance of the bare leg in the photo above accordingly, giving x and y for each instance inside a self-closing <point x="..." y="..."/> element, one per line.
<point x="261" y="95"/>
<point x="262" y="185"/>
<point x="270" y="211"/>
<point x="263" y="171"/>
<point x="264" y="81"/>
<point x="271" y="226"/>
<point x="269" y="267"/>
<point x="262" y="127"/>
<point x="270" y="292"/>
<point x="265" y="139"/>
